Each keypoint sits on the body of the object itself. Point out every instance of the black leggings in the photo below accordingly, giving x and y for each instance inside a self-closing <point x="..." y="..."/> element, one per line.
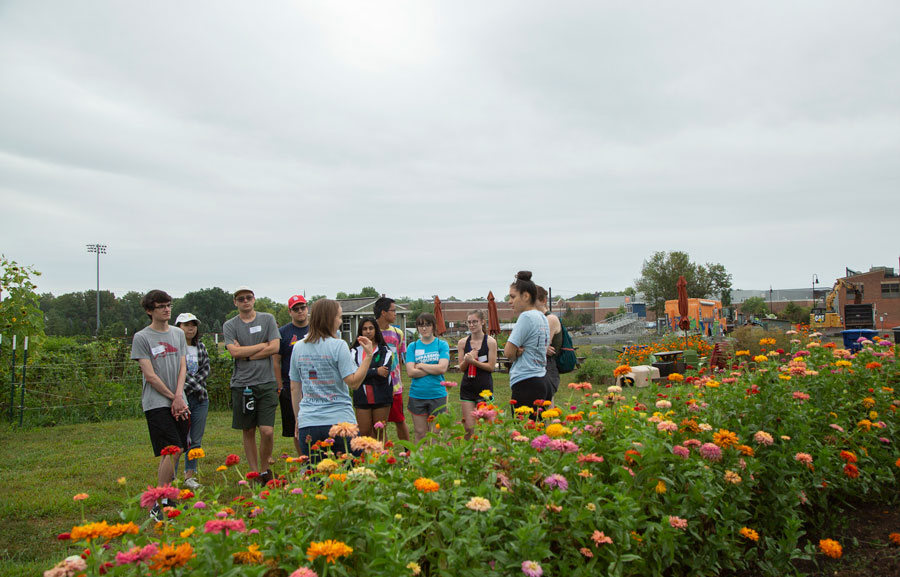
<point x="527" y="391"/>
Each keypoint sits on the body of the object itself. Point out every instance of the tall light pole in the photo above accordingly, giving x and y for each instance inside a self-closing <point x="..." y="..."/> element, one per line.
<point x="815" y="281"/>
<point x="99" y="249"/>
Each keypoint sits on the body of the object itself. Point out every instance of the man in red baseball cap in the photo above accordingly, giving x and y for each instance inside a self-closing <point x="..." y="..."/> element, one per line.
<point x="290" y="334"/>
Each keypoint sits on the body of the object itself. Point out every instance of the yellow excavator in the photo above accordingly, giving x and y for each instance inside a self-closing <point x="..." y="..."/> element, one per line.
<point x="828" y="317"/>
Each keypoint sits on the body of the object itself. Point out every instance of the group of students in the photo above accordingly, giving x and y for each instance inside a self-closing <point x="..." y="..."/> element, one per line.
<point x="320" y="381"/>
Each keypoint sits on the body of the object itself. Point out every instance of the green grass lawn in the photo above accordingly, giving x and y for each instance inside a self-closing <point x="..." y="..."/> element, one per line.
<point x="44" y="468"/>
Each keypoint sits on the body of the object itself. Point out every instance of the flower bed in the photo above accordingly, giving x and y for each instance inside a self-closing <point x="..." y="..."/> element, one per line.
<point x="714" y="474"/>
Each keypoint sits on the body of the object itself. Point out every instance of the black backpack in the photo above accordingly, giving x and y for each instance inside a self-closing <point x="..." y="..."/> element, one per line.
<point x="565" y="357"/>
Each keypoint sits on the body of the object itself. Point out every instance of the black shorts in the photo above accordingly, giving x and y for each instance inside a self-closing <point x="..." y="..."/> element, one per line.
<point x="288" y="424"/>
<point x="470" y="389"/>
<point x="165" y="430"/>
<point x="527" y="391"/>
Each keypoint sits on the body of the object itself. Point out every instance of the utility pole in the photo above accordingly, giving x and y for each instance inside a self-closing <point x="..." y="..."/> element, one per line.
<point x="99" y="249"/>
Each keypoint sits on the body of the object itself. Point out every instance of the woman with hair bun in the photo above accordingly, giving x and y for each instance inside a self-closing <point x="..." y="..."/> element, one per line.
<point x="527" y="344"/>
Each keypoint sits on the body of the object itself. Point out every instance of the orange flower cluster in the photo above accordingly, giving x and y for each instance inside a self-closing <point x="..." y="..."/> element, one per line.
<point x="638" y="354"/>
<point x="102" y="529"/>
<point x="831" y="548"/>
<point x="895" y="538"/>
<point x="621" y="370"/>
<point x="749" y="533"/>
<point x="426" y="485"/>
<point x="725" y="438"/>
<point x="329" y="549"/>
<point x="251" y="556"/>
<point x="171" y="557"/>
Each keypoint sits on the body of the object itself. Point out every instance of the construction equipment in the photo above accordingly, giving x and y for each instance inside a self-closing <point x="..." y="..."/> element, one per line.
<point x="828" y="317"/>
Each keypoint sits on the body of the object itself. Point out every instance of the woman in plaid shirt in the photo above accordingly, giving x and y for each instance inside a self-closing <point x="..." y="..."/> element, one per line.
<point x="195" y="390"/>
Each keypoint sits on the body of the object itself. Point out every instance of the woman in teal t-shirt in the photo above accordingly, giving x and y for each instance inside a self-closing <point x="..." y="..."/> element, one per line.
<point x="427" y="360"/>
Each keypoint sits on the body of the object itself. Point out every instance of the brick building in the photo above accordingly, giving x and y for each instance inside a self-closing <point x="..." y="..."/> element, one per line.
<point x="881" y="288"/>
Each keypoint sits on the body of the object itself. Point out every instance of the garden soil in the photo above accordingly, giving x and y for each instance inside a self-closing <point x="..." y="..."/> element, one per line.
<point x="867" y="550"/>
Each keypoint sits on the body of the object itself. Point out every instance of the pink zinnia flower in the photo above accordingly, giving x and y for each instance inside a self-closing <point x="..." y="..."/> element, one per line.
<point x="558" y="481"/>
<point x="837" y="427"/>
<point x="692" y="443"/>
<point x="199" y="505"/>
<point x="539" y="443"/>
<point x="136" y="554"/>
<point x="678" y="523"/>
<point x="763" y="438"/>
<point x="532" y="569"/>
<point x="710" y="452"/>
<point x="154" y="494"/>
<point x="800" y="396"/>
<point x="682" y="452"/>
<point x="304" y="572"/>
<point x="600" y="539"/>
<point x="667" y="426"/>
<point x="562" y="445"/>
<point x="217" y="526"/>
<point x="804" y="458"/>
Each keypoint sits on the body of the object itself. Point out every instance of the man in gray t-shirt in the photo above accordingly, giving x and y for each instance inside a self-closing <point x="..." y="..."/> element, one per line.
<point x="160" y="351"/>
<point x="252" y="338"/>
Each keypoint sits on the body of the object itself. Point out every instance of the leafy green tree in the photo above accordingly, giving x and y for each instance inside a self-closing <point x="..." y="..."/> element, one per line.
<point x="417" y="307"/>
<point x="795" y="313"/>
<point x="584" y="297"/>
<point x="20" y="311"/>
<point x="314" y="298"/>
<point x="755" y="306"/>
<point x="211" y="305"/>
<point x="659" y="277"/>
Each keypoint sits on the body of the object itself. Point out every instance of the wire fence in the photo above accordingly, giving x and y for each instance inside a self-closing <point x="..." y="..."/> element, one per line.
<point x="62" y="381"/>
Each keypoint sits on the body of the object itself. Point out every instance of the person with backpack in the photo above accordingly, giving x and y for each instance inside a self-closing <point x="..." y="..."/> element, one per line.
<point x="555" y="342"/>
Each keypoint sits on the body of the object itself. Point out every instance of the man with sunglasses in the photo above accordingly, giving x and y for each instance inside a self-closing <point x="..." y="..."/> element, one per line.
<point x="281" y="363"/>
<point x="252" y="338"/>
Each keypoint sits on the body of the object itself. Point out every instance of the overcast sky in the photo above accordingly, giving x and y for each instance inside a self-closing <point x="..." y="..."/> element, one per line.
<point x="438" y="147"/>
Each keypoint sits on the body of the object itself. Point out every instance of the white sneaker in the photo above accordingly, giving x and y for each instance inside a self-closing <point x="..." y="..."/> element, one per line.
<point x="192" y="484"/>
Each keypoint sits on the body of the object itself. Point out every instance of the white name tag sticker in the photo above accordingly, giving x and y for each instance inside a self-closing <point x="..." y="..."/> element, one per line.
<point x="255" y="329"/>
<point x="419" y="354"/>
<point x="482" y="359"/>
<point x="158" y="350"/>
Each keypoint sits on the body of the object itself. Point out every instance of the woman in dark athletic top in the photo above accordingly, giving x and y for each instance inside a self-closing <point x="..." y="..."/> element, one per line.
<point x="555" y="342"/>
<point x="477" y="356"/>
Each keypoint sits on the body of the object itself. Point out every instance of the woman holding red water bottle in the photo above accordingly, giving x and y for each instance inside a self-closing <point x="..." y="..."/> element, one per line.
<point x="477" y="355"/>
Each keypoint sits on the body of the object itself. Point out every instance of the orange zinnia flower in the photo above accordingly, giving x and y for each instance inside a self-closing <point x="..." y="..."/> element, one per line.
<point x="169" y="557"/>
<point x="831" y="548"/>
<point x="426" y="485"/>
<point x="725" y="438"/>
<point x="330" y="549"/>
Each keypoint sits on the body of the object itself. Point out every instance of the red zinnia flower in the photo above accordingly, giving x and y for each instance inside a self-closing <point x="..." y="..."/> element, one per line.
<point x="851" y="471"/>
<point x="232" y="460"/>
<point x="172" y="513"/>
<point x="848" y="457"/>
<point x="252" y="475"/>
<point x="170" y="450"/>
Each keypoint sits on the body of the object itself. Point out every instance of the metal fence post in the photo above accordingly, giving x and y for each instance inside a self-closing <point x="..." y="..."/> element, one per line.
<point x="12" y="382"/>
<point x="22" y="397"/>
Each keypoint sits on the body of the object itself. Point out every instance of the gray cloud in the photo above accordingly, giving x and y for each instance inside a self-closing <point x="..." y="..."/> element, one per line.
<point x="427" y="148"/>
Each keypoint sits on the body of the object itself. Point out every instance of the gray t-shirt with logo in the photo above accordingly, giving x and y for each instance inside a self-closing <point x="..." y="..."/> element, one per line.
<point x="165" y="351"/>
<point x="262" y="329"/>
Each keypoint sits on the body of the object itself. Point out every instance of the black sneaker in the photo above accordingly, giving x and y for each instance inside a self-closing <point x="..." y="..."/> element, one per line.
<point x="156" y="513"/>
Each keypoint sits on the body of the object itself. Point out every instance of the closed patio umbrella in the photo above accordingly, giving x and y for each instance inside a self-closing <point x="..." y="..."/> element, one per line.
<point x="493" y="316"/>
<point x="685" y="323"/>
<point x="441" y="327"/>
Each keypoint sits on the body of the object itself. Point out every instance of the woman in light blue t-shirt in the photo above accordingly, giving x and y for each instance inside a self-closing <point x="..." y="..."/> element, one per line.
<point x="527" y="344"/>
<point x="321" y="372"/>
